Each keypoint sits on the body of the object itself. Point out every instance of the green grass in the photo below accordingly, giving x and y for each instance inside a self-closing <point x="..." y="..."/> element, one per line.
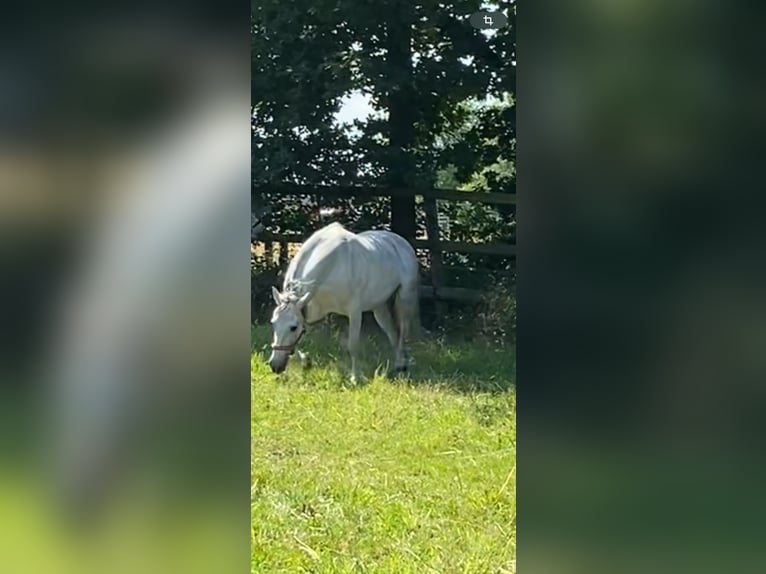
<point x="391" y="476"/>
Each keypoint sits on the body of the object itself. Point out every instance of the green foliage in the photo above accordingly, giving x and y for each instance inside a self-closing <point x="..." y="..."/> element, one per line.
<point x="264" y="274"/>
<point x="496" y="315"/>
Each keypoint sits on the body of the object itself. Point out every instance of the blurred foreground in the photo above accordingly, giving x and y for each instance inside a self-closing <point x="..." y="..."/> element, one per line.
<point x="124" y="364"/>
<point x="642" y="316"/>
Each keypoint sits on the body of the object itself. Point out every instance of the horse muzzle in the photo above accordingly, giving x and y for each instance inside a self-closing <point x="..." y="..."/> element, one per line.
<point x="278" y="362"/>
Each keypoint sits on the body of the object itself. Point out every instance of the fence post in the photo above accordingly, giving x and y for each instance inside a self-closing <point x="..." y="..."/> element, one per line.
<point x="272" y="252"/>
<point x="437" y="271"/>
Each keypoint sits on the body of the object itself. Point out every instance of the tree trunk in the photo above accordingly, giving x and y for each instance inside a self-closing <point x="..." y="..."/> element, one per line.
<point x="401" y="116"/>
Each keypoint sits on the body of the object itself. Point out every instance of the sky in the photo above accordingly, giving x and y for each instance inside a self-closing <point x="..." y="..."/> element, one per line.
<point x="355" y="106"/>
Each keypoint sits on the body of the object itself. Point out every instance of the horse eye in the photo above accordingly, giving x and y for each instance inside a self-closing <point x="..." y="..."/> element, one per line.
<point x="294" y="327"/>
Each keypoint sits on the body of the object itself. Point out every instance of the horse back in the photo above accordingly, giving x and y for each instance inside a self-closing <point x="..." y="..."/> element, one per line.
<point x="345" y="266"/>
<point x="393" y="248"/>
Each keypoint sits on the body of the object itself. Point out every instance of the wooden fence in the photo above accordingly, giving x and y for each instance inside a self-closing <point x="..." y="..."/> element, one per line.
<point x="438" y="290"/>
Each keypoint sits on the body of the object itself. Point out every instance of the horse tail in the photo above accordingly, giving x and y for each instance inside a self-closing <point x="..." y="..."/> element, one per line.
<point x="407" y="299"/>
<point x="407" y="310"/>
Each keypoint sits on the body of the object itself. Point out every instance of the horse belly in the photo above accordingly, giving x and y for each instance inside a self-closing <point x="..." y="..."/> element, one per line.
<point x="363" y="293"/>
<point x="375" y="293"/>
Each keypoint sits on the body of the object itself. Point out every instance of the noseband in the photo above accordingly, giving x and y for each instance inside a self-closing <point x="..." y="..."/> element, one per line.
<point x="289" y="348"/>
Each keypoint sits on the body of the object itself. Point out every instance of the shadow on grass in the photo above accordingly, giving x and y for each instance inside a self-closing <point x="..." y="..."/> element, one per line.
<point x="466" y="367"/>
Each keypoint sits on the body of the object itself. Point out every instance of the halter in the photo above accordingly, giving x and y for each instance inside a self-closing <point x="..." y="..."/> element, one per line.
<point x="289" y="348"/>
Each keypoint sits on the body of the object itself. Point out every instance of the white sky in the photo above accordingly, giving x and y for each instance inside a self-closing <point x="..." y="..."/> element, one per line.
<point x="355" y="106"/>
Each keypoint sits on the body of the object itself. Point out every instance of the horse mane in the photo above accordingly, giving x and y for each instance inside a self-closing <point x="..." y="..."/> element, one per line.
<point x="294" y="290"/>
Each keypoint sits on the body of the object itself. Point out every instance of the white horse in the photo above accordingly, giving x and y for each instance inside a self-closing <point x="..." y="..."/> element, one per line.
<point x="336" y="271"/>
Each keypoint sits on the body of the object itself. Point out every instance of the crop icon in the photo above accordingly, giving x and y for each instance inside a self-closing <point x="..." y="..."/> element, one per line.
<point x="486" y="20"/>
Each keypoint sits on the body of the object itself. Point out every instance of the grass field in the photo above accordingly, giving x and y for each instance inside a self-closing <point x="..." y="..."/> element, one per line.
<point x="392" y="476"/>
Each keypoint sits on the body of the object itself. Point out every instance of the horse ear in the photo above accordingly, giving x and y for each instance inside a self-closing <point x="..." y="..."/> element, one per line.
<point x="303" y="300"/>
<point x="276" y="294"/>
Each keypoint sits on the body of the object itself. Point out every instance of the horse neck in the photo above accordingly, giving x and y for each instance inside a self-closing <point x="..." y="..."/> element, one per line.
<point x="311" y="313"/>
<point x="297" y="271"/>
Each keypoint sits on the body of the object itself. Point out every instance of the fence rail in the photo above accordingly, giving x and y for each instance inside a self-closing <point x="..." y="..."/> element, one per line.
<point x="495" y="248"/>
<point x="438" y="290"/>
<point x="367" y="192"/>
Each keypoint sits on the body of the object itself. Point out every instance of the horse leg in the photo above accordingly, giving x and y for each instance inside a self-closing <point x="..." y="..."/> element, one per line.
<point x="354" y="328"/>
<point x="386" y="322"/>
<point x="406" y="305"/>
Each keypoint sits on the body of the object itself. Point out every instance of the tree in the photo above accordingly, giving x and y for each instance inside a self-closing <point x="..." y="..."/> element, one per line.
<point x="401" y="119"/>
<point x="419" y="62"/>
